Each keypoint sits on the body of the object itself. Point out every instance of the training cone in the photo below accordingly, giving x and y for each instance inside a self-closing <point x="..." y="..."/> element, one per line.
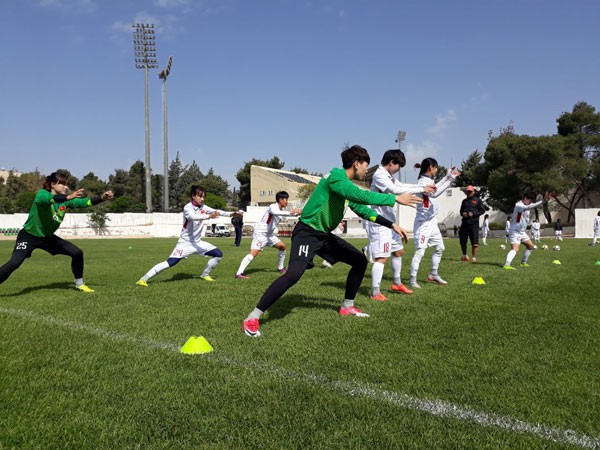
<point x="556" y="261"/>
<point x="196" y="345"/>
<point x="478" y="280"/>
<point x="597" y="263"/>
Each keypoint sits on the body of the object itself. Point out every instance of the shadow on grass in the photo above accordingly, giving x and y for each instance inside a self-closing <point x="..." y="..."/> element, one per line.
<point x="53" y="286"/>
<point x="288" y="303"/>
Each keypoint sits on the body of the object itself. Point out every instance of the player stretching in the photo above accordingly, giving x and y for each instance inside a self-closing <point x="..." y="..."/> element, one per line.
<point x="426" y="230"/>
<point x="264" y="234"/>
<point x="190" y="241"/>
<point x="47" y="213"/>
<point x="518" y="224"/>
<point x="312" y="234"/>
<point x="383" y="241"/>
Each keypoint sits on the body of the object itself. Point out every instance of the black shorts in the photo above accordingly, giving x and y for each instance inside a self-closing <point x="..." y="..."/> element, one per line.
<point x="308" y="242"/>
<point x="469" y="231"/>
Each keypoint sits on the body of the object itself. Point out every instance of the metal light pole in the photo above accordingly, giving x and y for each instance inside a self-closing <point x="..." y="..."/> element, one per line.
<point x="401" y="136"/>
<point x="144" y="46"/>
<point x="163" y="75"/>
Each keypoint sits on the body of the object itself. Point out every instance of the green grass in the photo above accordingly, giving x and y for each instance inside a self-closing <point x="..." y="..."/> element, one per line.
<point x="103" y="371"/>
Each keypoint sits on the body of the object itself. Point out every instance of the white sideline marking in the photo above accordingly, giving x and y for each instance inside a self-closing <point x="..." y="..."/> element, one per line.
<point x="433" y="407"/>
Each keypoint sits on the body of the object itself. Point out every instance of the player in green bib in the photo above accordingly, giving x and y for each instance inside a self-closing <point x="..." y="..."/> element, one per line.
<point x="47" y="213"/>
<point x="312" y="235"/>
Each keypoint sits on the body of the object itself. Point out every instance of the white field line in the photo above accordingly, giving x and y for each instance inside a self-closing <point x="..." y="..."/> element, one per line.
<point x="434" y="407"/>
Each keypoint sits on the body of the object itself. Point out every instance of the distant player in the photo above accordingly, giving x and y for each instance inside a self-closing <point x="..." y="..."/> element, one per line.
<point x="507" y="229"/>
<point x="518" y="226"/>
<point x="558" y="229"/>
<point x="47" y="213"/>
<point x="425" y="229"/>
<point x="535" y="230"/>
<point x="485" y="229"/>
<point x="596" y="228"/>
<point x="190" y="240"/>
<point x="264" y="234"/>
<point x="383" y="241"/>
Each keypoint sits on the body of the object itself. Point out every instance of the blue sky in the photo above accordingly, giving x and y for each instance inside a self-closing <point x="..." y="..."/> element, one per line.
<point x="296" y="79"/>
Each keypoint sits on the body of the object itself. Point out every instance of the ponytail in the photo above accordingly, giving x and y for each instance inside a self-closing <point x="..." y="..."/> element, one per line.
<point x="425" y="165"/>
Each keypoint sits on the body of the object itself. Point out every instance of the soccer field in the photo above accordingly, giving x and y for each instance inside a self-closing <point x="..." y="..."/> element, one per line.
<point x="514" y="363"/>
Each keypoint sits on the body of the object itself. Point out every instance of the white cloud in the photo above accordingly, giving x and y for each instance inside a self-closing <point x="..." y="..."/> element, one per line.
<point x="74" y="5"/>
<point x="442" y="122"/>
<point x="171" y="3"/>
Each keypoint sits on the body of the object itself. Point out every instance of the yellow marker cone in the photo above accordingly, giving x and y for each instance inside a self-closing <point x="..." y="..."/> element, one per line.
<point x="196" y="345"/>
<point x="556" y="261"/>
<point x="478" y="280"/>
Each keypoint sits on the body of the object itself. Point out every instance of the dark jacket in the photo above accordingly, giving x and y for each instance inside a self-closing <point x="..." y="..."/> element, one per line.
<point x="237" y="220"/>
<point x="473" y="205"/>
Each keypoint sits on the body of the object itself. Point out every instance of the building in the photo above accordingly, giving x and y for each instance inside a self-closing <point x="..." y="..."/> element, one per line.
<point x="266" y="182"/>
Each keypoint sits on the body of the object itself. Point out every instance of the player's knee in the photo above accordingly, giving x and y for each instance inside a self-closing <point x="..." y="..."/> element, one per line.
<point x="77" y="253"/>
<point x="172" y="261"/>
<point x="215" y="253"/>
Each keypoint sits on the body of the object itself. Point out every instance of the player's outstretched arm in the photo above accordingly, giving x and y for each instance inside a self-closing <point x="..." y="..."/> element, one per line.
<point x="408" y="199"/>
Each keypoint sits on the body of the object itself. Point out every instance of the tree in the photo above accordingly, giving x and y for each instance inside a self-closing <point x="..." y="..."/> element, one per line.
<point x="214" y="201"/>
<point x="190" y="176"/>
<point x="24" y="201"/>
<point x="580" y="129"/>
<point x="176" y="168"/>
<point x="243" y="176"/>
<point x="299" y="170"/>
<point x="14" y="186"/>
<point x="118" y="182"/>
<point x="215" y="184"/>
<point x="305" y="191"/>
<point x="92" y="184"/>
<point x="441" y="173"/>
<point x="514" y="163"/>
<point x="33" y="180"/>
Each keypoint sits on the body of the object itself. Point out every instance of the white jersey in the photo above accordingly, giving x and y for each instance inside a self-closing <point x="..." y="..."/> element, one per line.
<point x="535" y="227"/>
<point x="520" y="216"/>
<point x="384" y="182"/>
<point x="428" y="209"/>
<point x="597" y="224"/>
<point x="485" y="227"/>
<point x="193" y="221"/>
<point x="271" y="219"/>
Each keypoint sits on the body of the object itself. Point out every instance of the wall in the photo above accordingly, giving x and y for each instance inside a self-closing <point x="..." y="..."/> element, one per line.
<point x="119" y="225"/>
<point x="584" y="222"/>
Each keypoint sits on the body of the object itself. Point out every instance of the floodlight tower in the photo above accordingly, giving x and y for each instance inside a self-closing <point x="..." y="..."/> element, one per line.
<point x="163" y="75"/>
<point x="144" y="46"/>
<point x="401" y="136"/>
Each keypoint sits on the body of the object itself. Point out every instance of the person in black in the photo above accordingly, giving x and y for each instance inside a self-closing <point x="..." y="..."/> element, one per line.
<point x="237" y="220"/>
<point x="470" y="210"/>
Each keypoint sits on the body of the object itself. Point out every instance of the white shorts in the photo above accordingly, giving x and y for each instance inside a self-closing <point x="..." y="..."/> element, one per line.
<point x="383" y="241"/>
<point x="183" y="249"/>
<point x="558" y="233"/>
<point x="261" y="239"/>
<point x="518" y="237"/>
<point x="427" y="234"/>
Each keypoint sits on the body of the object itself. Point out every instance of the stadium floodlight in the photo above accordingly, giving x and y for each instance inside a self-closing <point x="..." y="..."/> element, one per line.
<point x="144" y="50"/>
<point x="163" y="75"/>
<point x="401" y="136"/>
